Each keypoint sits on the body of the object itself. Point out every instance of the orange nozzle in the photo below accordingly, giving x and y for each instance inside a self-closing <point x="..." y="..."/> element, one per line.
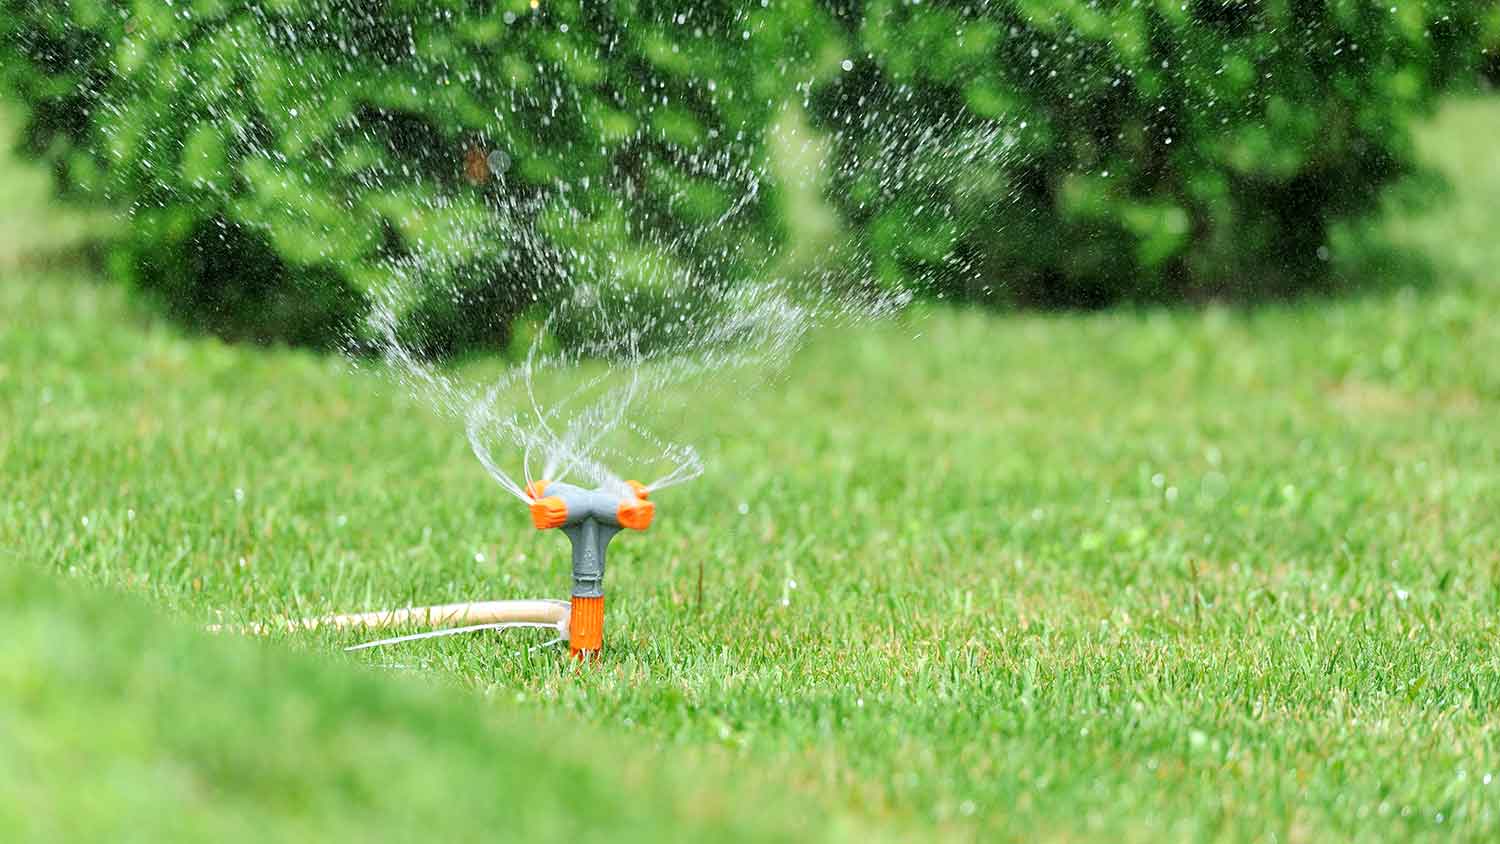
<point x="549" y="513"/>
<point x="641" y="490"/>
<point x="536" y="489"/>
<point x="636" y="514"/>
<point x="586" y="627"/>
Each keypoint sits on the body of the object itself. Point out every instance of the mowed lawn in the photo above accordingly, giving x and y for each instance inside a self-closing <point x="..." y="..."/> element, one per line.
<point x="1226" y="574"/>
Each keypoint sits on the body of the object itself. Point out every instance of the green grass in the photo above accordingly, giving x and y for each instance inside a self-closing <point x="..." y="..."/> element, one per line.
<point x="116" y="729"/>
<point x="1215" y="574"/>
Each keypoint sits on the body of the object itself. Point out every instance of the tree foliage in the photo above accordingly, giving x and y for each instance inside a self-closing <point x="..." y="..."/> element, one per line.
<point x="1138" y="149"/>
<point x="284" y="159"/>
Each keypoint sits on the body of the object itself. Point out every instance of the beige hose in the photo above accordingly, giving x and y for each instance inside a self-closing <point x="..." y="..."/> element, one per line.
<point x="537" y="612"/>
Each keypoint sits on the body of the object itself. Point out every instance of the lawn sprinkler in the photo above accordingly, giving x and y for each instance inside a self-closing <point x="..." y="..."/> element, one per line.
<point x="589" y="518"/>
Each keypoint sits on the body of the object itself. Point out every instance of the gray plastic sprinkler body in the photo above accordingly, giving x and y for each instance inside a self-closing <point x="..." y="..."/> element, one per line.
<point x="590" y="519"/>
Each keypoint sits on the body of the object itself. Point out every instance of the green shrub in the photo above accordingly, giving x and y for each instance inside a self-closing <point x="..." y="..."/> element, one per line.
<point x="284" y="159"/>
<point x="1490" y="44"/>
<point x="1077" y="152"/>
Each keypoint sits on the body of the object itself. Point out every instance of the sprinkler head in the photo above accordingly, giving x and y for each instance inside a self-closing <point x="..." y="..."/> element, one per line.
<point x="636" y="514"/>
<point x="548" y="513"/>
<point x="590" y="518"/>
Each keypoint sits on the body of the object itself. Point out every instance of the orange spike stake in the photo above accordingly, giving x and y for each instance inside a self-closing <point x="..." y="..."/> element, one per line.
<point x="586" y="628"/>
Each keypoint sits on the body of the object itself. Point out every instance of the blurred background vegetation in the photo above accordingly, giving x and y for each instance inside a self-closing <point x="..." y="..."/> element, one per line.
<point x="279" y="158"/>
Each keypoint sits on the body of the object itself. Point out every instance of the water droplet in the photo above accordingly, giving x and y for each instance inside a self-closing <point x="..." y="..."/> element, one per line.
<point x="498" y="162"/>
